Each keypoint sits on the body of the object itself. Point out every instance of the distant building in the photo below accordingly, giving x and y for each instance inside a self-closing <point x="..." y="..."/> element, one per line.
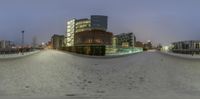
<point x="49" y="45"/>
<point x="124" y="40"/>
<point x="97" y="22"/>
<point x="186" y="47"/>
<point x="57" y="41"/>
<point x="6" y="44"/>
<point x="148" y="45"/>
<point x="139" y="44"/>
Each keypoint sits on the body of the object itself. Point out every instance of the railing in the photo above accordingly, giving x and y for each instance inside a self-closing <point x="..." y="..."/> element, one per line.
<point x="15" y="51"/>
<point x="18" y="54"/>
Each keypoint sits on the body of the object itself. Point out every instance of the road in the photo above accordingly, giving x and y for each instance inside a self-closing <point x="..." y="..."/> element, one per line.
<point x="55" y="73"/>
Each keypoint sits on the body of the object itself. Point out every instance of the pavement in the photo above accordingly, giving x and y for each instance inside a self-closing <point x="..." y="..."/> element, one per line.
<point x="144" y="75"/>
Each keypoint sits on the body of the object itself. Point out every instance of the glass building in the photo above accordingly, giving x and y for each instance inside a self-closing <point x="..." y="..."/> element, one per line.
<point x="97" y="22"/>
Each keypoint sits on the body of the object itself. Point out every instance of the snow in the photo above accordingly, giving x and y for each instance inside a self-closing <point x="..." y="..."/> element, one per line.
<point x="144" y="75"/>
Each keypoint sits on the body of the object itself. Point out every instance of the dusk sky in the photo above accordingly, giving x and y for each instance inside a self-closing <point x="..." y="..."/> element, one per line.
<point x="161" y="21"/>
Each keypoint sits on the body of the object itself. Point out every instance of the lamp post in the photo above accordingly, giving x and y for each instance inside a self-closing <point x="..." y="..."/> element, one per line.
<point x="22" y="41"/>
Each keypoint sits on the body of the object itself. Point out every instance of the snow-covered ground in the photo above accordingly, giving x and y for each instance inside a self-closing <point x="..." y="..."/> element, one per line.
<point x="147" y="75"/>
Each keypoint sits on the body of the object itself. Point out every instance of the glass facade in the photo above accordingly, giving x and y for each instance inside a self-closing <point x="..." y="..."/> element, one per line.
<point x="99" y="22"/>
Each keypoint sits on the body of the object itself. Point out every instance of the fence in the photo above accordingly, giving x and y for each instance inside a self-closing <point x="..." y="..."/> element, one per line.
<point x="15" y="50"/>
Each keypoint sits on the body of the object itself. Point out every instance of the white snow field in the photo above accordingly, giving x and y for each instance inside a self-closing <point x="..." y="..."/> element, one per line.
<point x="147" y="75"/>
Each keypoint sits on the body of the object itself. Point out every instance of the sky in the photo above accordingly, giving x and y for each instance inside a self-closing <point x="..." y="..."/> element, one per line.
<point x="161" y="21"/>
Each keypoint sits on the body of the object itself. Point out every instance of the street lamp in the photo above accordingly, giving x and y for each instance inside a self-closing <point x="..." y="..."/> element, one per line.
<point x="22" y="41"/>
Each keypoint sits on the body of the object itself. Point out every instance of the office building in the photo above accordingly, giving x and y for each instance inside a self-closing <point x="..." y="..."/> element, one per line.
<point x="96" y="22"/>
<point x="99" y="22"/>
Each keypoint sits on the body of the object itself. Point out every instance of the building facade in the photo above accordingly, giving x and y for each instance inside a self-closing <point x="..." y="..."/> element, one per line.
<point x="82" y="25"/>
<point x="93" y="37"/>
<point x="69" y="39"/>
<point x="91" y="42"/>
<point x="124" y="40"/>
<point x="97" y="22"/>
<point x="186" y="47"/>
<point x="57" y="41"/>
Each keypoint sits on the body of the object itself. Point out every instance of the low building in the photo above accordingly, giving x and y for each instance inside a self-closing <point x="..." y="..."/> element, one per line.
<point x="148" y="45"/>
<point x="124" y="40"/>
<point x="186" y="47"/>
<point x="57" y="41"/>
<point x="123" y="43"/>
<point x="139" y="44"/>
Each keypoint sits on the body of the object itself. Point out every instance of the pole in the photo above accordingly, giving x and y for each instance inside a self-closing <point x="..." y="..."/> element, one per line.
<point x="22" y="41"/>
